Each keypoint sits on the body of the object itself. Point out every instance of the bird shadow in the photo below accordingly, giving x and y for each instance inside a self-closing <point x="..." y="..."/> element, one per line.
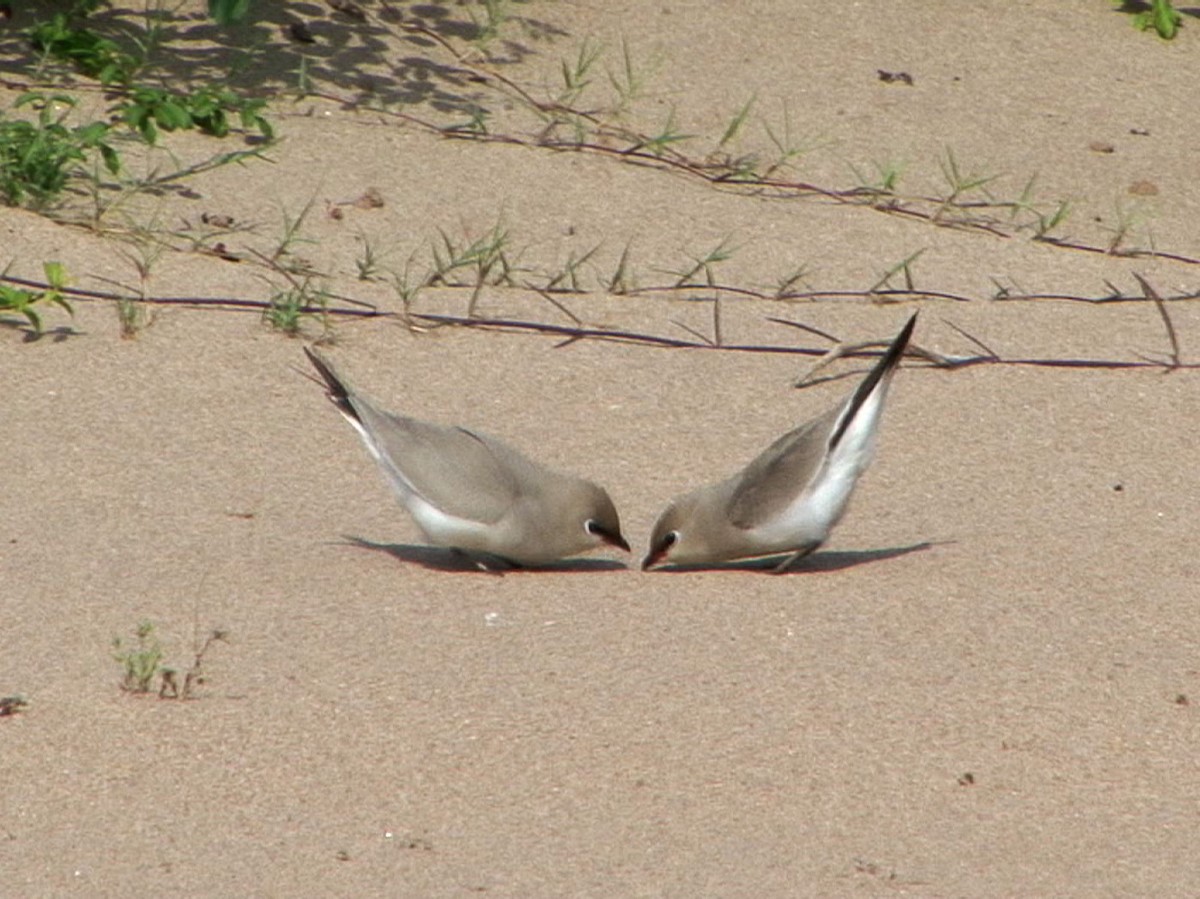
<point x="817" y="562"/>
<point x="437" y="558"/>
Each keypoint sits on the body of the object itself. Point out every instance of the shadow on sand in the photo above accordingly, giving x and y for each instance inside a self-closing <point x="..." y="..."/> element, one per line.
<point x="817" y="562"/>
<point x="439" y="559"/>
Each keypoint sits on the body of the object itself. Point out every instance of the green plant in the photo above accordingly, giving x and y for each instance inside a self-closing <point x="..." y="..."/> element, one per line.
<point x="486" y="257"/>
<point x="1161" y="16"/>
<point x="140" y="661"/>
<point x="577" y="75"/>
<point x="208" y="109"/>
<point x="287" y="308"/>
<point x="92" y="54"/>
<point x="37" y="158"/>
<point x="959" y="183"/>
<point x="22" y="300"/>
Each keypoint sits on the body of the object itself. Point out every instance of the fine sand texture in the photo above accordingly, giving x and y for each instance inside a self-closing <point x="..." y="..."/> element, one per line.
<point x="986" y="684"/>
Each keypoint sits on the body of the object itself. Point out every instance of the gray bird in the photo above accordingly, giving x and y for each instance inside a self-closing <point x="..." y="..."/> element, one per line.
<point x="473" y="493"/>
<point x="790" y="497"/>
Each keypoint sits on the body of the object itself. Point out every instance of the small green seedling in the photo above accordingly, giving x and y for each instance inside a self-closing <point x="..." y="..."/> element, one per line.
<point x="141" y="661"/>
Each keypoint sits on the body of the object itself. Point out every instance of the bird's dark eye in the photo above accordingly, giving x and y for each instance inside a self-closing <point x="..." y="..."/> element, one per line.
<point x="669" y="539"/>
<point x="591" y="527"/>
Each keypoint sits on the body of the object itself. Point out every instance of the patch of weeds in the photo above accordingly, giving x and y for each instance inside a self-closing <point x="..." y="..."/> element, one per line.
<point x="143" y="670"/>
<point x="37" y="158"/>
<point x="208" y="109"/>
<point x="22" y="300"/>
<point x="486" y="257"/>
<point x="92" y="54"/>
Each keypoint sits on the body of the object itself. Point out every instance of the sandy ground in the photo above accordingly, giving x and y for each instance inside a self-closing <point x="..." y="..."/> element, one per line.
<point x="986" y="684"/>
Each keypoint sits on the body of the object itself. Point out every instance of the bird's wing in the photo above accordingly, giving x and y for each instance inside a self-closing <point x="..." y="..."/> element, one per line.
<point x="463" y="474"/>
<point x="771" y="483"/>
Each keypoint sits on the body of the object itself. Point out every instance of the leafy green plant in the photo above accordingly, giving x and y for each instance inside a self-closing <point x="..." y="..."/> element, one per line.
<point x="37" y="158"/>
<point x="1161" y="16"/>
<point x="21" y="300"/>
<point x="92" y="54"/>
<point x="147" y="109"/>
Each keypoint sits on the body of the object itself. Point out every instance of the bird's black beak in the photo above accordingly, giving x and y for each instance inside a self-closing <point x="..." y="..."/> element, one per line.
<point x="612" y="538"/>
<point x="656" y="555"/>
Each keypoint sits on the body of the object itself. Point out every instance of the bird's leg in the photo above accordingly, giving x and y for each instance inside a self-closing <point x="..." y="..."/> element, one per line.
<point x="794" y="556"/>
<point x="486" y="562"/>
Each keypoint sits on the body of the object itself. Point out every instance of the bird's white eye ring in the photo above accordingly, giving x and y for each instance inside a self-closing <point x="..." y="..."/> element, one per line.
<point x="670" y="539"/>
